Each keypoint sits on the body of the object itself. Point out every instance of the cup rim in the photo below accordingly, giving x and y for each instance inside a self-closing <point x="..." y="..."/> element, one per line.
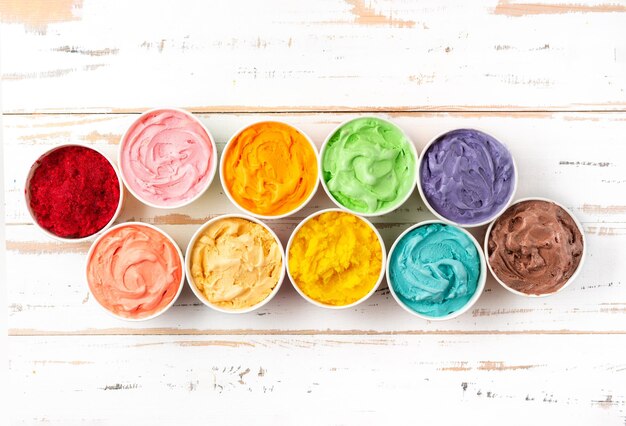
<point x="211" y="172"/>
<point x="189" y="276"/>
<point x="227" y="190"/>
<point x="381" y="275"/>
<point x="578" y="268"/>
<point x="440" y="216"/>
<point x="480" y="286"/>
<point x="180" y="285"/>
<point x="35" y="165"/>
<point x="325" y="186"/>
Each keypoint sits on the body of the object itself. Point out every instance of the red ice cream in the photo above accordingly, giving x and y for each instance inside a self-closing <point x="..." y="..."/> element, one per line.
<point x="74" y="192"/>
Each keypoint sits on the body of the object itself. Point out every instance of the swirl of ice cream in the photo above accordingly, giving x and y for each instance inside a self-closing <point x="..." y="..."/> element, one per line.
<point x="335" y="258"/>
<point x="368" y="165"/>
<point x="167" y="158"/>
<point x="467" y="176"/>
<point x="434" y="269"/>
<point x="134" y="271"/>
<point x="535" y="247"/>
<point x="235" y="263"/>
<point x="270" y="168"/>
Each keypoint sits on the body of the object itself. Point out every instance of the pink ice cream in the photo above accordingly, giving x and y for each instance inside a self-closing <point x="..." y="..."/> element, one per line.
<point x="167" y="158"/>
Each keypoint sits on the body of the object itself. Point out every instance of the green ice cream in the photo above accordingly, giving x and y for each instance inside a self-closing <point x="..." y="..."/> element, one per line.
<point x="368" y="165"/>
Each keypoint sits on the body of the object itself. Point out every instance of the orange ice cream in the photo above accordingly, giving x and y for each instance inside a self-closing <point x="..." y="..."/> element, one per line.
<point x="270" y="168"/>
<point x="134" y="271"/>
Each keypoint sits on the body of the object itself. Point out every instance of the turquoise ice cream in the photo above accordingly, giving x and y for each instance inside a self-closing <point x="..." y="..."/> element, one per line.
<point x="434" y="269"/>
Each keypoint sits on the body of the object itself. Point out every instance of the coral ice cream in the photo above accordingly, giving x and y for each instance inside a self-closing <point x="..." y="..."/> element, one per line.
<point x="134" y="271"/>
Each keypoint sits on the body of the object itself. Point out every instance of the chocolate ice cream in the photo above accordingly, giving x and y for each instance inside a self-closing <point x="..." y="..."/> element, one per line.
<point x="535" y="247"/>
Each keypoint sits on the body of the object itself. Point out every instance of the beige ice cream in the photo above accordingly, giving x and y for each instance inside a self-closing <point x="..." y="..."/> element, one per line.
<point x="235" y="263"/>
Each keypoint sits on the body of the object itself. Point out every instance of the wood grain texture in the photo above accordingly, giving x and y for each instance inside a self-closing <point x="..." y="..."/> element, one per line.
<point x="548" y="77"/>
<point x="516" y="9"/>
<point x="552" y="149"/>
<point x="324" y="55"/>
<point x="578" y="380"/>
<point x="553" y="153"/>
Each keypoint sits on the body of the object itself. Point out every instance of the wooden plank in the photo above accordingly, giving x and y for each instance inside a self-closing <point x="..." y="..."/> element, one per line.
<point x="3" y="278"/>
<point x="556" y="152"/>
<point x="553" y="151"/>
<point x="560" y="97"/>
<point x="322" y="55"/>
<point x="45" y="302"/>
<point x="578" y="380"/>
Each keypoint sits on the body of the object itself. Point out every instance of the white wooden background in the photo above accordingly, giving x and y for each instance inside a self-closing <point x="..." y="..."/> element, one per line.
<point x="547" y="78"/>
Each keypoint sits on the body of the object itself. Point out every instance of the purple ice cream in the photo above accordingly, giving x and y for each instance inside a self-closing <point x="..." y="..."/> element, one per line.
<point x="467" y="176"/>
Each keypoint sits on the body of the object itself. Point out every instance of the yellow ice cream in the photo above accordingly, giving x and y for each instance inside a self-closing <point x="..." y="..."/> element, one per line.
<point x="335" y="258"/>
<point x="235" y="263"/>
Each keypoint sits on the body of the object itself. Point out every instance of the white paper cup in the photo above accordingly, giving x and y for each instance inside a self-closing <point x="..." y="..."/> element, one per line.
<point x="180" y="285"/>
<point x="325" y="186"/>
<point x="382" y="266"/>
<point x="440" y="216"/>
<point x="211" y="172"/>
<point x="34" y="167"/>
<point x="574" y="275"/>
<point x="227" y="190"/>
<point x="198" y="293"/>
<point x="480" y="286"/>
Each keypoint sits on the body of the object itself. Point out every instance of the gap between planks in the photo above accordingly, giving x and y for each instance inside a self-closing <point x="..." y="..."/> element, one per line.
<point x="27" y="332"/>
<point x="330" y="110"/>
<point x="308" y="332"/>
